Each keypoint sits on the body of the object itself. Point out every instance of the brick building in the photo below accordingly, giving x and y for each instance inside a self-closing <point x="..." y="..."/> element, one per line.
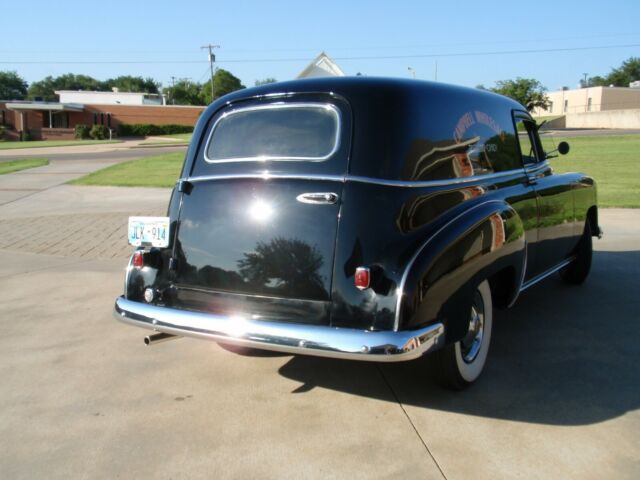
<point x="57" y="120"/>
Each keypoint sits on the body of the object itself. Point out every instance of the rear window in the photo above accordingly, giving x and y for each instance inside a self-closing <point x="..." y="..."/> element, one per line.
<point x="291" y="131"/>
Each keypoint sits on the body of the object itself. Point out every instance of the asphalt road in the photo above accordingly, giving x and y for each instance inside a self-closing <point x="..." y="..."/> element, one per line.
<point x="589" y="132"/>
<point x="81" y="397"/>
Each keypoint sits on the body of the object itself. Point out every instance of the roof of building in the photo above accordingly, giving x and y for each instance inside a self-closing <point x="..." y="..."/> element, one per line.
<point x="92" y="92"/>
<point x="322" y="66"/>
<point x="51" y="106"/>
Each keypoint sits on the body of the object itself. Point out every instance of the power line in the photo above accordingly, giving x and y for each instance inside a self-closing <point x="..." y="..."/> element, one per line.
<point x="304" y="59"/>
<point x="341" y="48"/>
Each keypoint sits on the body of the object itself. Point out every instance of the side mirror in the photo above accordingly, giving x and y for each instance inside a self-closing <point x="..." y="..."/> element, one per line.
<point x="563" y="148"/>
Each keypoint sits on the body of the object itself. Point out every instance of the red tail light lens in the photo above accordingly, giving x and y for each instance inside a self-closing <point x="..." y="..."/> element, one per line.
<point x="138" y="259"/>
<point x="363" y="278"/>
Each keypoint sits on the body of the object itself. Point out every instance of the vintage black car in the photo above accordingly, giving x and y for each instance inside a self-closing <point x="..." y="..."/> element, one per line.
<point x="358" y="218"/>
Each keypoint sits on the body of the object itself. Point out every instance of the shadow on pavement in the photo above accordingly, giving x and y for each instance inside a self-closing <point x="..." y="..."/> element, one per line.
<point x="561" y="356"/>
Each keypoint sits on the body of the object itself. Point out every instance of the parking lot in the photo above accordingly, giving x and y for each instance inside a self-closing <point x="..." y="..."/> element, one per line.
<point x="81" y="397"/>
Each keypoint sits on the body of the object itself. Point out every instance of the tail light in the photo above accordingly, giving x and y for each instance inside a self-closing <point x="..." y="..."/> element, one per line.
<point x="138" y="259"/>
<point x="362" y="278"/>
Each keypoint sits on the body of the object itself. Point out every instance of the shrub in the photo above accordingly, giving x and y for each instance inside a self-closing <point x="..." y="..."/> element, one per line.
<point x="146" y="129"/>
<point x="82" y="131"/>
<point x="99" y="132"/>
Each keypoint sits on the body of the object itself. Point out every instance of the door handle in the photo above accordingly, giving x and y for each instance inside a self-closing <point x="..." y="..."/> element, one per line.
<point x="318" y="198"/>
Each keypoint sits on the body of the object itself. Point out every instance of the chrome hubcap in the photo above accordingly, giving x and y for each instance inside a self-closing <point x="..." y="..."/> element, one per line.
<point x="471" y="343"/>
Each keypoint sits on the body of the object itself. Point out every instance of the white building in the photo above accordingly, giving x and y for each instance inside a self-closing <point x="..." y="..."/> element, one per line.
<point x="590" y="99"/>
<point x="110" y="98"/>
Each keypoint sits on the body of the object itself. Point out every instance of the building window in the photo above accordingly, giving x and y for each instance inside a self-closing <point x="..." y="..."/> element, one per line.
<point x="95" y="118"/>
<point x="101" y="118"/>
<point x="589" y="104"/>
<point x="109" y="120"/>
<point x="566" y="106"/>
<point x="550" y="107"/>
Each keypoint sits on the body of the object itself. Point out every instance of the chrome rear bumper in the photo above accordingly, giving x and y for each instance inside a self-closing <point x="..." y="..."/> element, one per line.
<point x="321" y="341"/>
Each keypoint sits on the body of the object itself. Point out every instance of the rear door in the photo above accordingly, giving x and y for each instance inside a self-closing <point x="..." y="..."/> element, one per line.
<point x="261" y="215"/>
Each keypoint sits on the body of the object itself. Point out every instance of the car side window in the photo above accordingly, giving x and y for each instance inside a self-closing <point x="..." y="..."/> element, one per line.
<point x="528" y="141"/>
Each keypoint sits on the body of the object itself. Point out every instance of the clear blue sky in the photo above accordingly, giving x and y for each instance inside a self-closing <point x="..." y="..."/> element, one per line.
<point x="278" y="38"/>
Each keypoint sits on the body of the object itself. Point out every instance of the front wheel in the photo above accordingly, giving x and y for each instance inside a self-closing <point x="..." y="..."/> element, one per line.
<point x="460" y="364"/>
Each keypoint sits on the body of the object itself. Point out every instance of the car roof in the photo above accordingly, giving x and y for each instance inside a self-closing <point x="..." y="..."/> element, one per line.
<point x="358" y="86"/>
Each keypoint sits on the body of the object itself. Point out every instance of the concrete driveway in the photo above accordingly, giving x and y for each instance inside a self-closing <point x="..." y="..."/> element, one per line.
<point x="81" y="397"/>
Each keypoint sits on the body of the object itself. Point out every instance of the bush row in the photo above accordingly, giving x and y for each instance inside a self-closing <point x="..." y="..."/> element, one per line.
<point x="146" y="129"/>
<point x="97" y="132"/>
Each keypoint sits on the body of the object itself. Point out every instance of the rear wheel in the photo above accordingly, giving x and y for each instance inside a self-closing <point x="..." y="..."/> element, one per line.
<point x="578" y="270"/>
<point x="460" y="364"/>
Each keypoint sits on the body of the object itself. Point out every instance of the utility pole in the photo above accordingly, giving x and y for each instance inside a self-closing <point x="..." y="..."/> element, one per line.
<point x="212" y="58"/>
<point x="173" y="84"/>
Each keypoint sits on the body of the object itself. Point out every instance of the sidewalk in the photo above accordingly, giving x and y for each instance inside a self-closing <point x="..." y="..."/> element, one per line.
<point x="95" y="148"/>
<point x="39" y="213"/>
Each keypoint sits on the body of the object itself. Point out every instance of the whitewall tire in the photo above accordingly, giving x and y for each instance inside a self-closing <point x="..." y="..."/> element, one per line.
<point x="461" y="363"/>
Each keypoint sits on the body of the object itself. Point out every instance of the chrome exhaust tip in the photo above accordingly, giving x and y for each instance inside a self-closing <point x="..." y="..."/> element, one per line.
<point x="159" y="338"/>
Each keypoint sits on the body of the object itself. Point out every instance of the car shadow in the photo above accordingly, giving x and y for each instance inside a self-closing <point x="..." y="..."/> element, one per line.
<point x="563" y="355"/>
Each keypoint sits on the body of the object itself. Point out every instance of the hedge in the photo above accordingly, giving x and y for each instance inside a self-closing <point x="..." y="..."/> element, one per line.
<point x="146" y="129"/>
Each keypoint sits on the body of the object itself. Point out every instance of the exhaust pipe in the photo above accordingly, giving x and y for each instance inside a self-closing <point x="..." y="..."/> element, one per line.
<point x="159" y="338"/>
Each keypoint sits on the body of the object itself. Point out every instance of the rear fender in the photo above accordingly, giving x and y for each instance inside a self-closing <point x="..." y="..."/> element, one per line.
<point x="442" y="276"/>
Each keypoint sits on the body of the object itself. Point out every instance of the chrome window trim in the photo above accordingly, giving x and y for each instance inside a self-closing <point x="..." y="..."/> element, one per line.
<point x="278" y="106"/>
<point x="266" y="175"/>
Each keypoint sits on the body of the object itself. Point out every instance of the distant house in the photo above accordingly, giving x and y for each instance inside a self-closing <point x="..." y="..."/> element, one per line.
<point x="322" y="66"/>
<point x="57" y="120"/>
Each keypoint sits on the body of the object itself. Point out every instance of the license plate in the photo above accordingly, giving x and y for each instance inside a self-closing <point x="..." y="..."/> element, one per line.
<point x="152" y="231"/>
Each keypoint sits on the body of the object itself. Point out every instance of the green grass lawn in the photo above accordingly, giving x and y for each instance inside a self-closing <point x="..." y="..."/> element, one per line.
<point x="51" y="143"/>
<point x="157" y="171"/>
<point x="614" y="162"/>
<point x="17" y="165"/>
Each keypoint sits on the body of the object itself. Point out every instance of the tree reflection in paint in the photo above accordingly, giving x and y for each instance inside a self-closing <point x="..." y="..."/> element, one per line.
<point x="283" y="266"/>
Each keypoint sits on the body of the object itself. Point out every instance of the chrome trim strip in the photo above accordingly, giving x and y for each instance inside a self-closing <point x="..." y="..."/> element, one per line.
<point x="545" y="274"/>
<point x="434" y="183"/>
<point x="321" y="341"/>
<point x="522" y="276"/>
<point x="405" y="274"/>
<point x="266" y="175"/>
<point x="535" y="168"/>
<point x="278" y="106"/>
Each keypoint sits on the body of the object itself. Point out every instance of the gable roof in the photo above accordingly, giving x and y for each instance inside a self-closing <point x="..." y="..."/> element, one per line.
<point x="322" y="66"/>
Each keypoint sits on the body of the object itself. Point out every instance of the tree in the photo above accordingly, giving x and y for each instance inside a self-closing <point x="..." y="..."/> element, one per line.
<point x="12" y="86"/>
<point x="527" y="91"/>
<point x="127" y="83"/>
<point x="265" y="81"/>
<point x="46" y="87"/>
<point x="223" y="82"/>
<point x="622" y="76"/>
<point x="184" y="92"/>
